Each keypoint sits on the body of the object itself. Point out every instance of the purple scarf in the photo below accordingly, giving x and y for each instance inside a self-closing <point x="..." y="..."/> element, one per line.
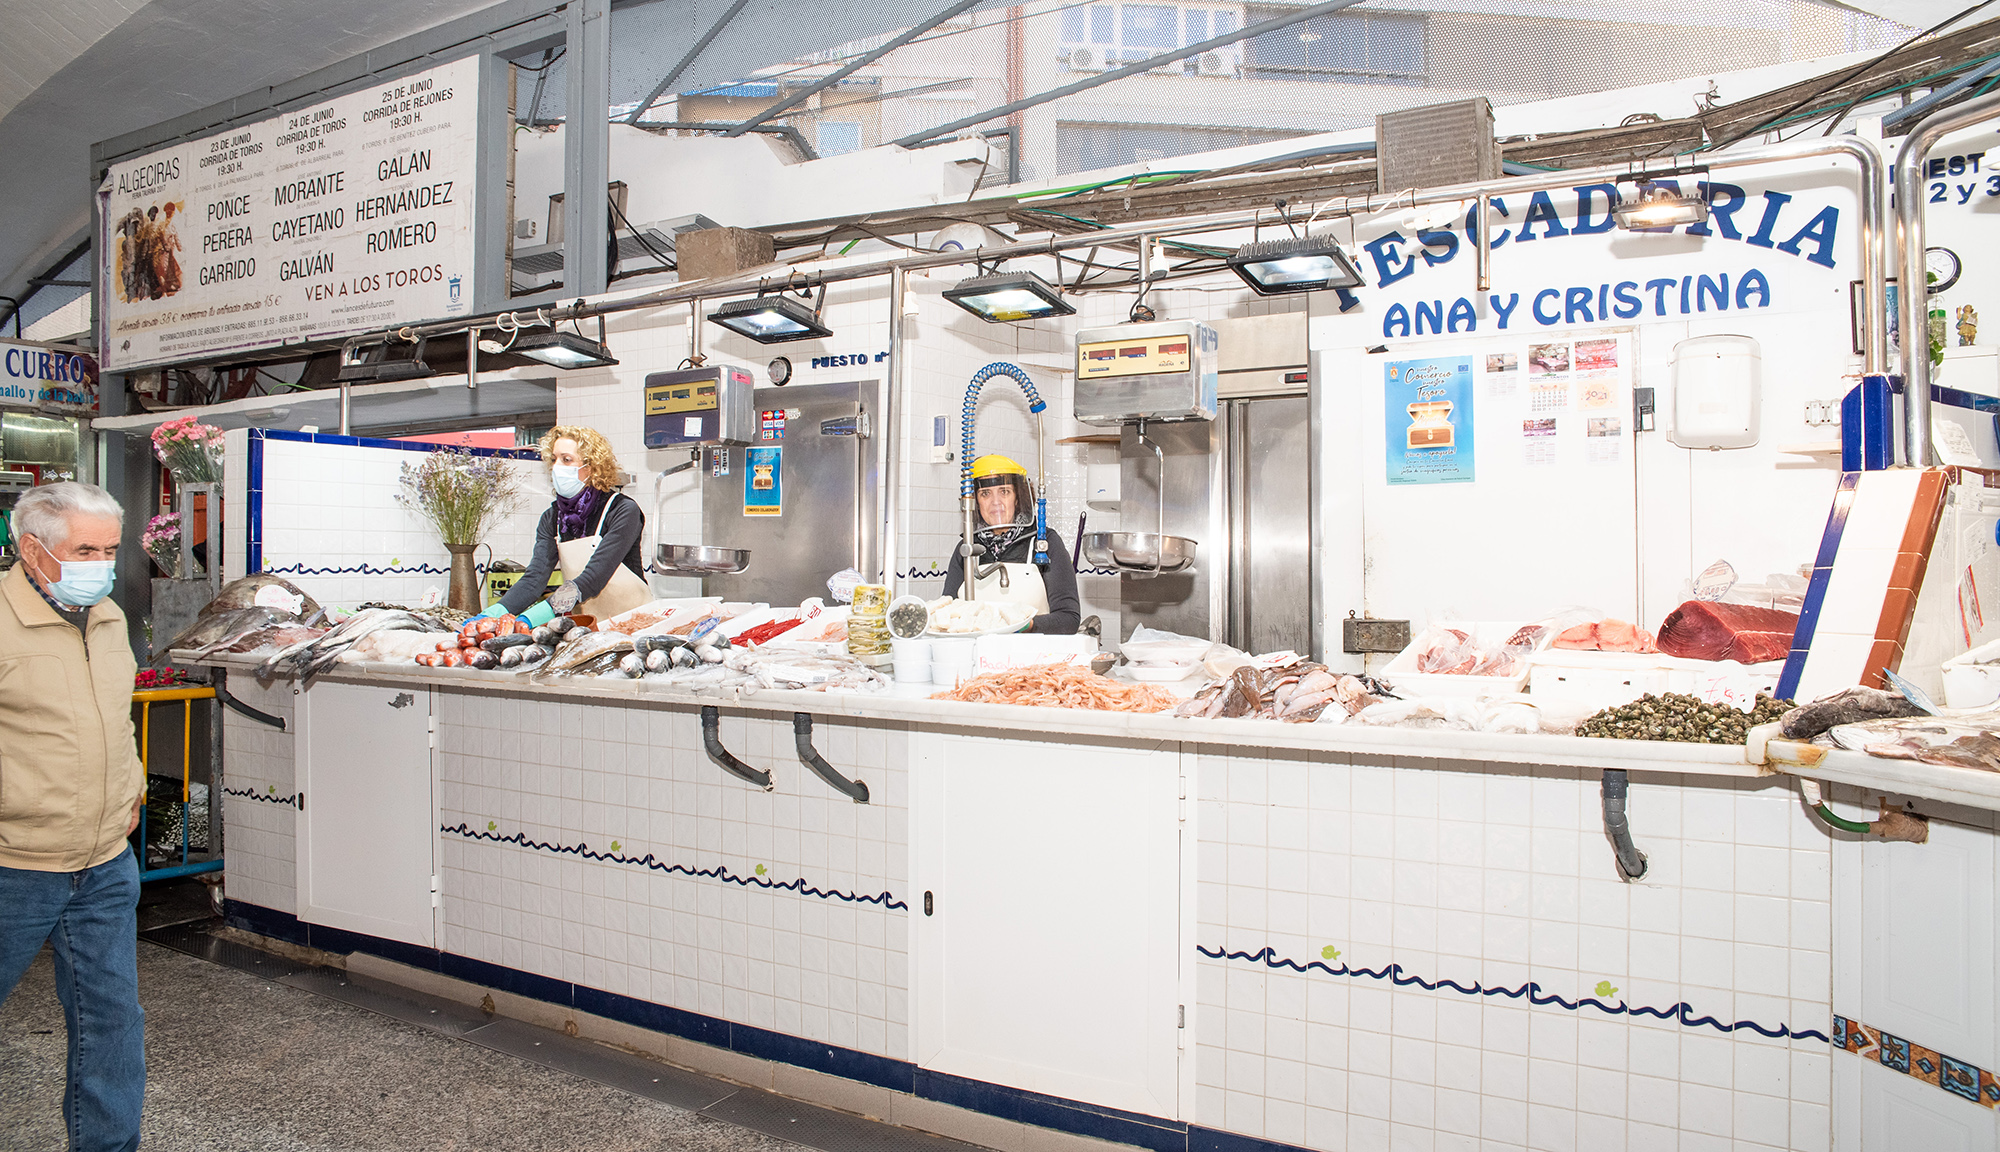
<point x="573" y="515"/>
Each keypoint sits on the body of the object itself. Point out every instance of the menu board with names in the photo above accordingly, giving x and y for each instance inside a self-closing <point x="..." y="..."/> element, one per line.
<point x="343" y="217"/>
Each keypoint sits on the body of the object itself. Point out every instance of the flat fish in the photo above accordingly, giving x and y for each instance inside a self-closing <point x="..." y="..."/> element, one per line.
<point x="216" y="633"/>
<point x="1931" y="739"/>
<point x="246" y="593"/>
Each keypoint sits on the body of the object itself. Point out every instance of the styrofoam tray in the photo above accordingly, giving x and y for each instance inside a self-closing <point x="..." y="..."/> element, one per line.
<point x="1608" y="679"/>
<point x="1402" y="674"/>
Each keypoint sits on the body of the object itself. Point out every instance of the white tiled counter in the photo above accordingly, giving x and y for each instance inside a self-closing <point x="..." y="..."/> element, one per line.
<point x="1174" y="933"/>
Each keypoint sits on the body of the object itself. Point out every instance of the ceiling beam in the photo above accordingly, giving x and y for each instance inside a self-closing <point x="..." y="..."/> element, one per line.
<point x="667" y="81"/>
<point x="1149" y="63"/>
<point x="852" y="66"/>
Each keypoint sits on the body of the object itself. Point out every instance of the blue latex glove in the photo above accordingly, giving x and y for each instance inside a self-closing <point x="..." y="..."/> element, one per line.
<point x="539" y="614"/>
<point x="493" y="609"/>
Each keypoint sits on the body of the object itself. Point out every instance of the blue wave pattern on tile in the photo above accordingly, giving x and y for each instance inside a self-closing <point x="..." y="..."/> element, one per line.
<point x="719" y="872"/>
<point x="1682" y="1012"/>
<point x="291" y="801"/>
<point x="359" y="570"/>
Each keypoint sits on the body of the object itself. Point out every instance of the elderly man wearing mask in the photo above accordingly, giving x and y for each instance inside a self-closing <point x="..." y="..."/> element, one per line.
<point x="70" y="789"/>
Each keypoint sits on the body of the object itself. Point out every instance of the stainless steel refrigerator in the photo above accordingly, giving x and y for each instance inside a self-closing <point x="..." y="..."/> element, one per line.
<point x="1241" y="487"/>
<point x="804" y="498"/>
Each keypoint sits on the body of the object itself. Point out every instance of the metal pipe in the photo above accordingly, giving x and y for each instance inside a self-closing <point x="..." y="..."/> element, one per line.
<point x="1246" y="32"/>
<point x="1915" y="348"/>
<point x="472" y="359"/>
<point x="346" y="408"/>
<point x="1145" y="270"/>
<point x="674" y="73"/>
<point x="851" y="67"/>
<point x="889" y="435"/>
<point x="1482" y="252"/>
<point x="1872" y="215"/>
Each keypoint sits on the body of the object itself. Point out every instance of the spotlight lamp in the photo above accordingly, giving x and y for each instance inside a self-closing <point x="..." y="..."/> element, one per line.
<point x="1655" y="205"/>
<point x="565" y="349"/>
<point x="773" y="319"/>
<point x="1297" y="264"/>
<point x="375" y="367"/>
<point x="1008" y="297"/>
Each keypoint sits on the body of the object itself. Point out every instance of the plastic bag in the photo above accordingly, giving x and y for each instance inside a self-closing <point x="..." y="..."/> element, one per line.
<point x="841" y="585"/>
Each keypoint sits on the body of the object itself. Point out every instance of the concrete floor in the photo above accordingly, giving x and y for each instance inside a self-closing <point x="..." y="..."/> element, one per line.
<point x="283" y="1056"/>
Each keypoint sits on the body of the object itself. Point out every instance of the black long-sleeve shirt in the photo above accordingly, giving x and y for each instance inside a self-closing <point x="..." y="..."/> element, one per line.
<point x="1058" y="577"/>
<point x="620" y="530"/>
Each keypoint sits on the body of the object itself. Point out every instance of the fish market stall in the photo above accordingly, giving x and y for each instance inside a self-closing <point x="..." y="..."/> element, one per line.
<point x="1406" y="740"/>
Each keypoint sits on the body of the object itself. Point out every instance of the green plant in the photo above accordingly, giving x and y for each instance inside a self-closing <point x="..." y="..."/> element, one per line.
<point x="460" y="493"/>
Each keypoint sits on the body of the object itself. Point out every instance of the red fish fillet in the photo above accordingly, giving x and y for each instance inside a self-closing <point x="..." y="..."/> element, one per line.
<point x="1700" y="630"/>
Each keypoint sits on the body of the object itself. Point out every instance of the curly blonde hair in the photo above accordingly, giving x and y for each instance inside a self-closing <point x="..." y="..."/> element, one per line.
<point x="592" y="446"/>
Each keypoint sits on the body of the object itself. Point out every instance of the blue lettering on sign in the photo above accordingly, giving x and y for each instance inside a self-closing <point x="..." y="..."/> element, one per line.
<point x="1573" y="305"/>
<point x="851" y="360"/>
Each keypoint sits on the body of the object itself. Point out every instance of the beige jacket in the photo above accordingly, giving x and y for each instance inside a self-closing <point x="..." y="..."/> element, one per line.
<point x="69" y="764"/>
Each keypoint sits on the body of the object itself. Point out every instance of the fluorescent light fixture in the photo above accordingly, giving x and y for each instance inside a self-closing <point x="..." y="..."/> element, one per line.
<point x="1657" y="206"/>
<point x="1304" y="264"/>
<point x="1006" y="297"/>
<point x="563" y="350"/>
<point x="771" y="319"/>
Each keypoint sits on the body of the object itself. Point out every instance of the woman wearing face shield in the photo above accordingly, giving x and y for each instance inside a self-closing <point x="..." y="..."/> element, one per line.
<point x="591" y="532"/>
<point x="1007" y="570"/>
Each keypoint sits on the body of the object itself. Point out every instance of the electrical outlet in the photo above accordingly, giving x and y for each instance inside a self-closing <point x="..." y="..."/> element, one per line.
<point x="1822" y="413"/>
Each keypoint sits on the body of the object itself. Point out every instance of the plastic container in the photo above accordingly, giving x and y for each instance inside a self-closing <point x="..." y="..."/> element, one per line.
<point x="1972" y="679"/>
<point x="868" y="625"/>
<point x="953" y="659"/>
<point x="913" y="660"/>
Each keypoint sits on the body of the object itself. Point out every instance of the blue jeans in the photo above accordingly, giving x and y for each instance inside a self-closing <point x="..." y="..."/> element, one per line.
<point x="92" y="920"/>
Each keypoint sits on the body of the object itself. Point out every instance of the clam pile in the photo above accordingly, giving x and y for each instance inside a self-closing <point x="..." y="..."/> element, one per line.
<point x="1687" y="719"/>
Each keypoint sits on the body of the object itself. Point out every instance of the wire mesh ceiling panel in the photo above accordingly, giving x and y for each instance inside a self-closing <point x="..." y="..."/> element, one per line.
<point x="1332" y="70"/>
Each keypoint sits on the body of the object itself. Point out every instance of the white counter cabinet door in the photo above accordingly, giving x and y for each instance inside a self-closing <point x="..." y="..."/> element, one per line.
<point x="1050" y="955"/>
<point x="368" y="819"/>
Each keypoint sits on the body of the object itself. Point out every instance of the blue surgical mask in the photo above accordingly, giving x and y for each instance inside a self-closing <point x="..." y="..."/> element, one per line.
<point x="84" y="582"/>
<point x="566" y="481"/>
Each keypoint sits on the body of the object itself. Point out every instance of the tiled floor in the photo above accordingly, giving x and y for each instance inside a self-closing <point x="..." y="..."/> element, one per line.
<point x="251" y="1051"/>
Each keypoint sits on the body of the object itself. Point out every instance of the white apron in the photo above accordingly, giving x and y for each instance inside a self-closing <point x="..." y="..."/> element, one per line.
<point x="622" y="593"/>
<point x="1016" y="583"/>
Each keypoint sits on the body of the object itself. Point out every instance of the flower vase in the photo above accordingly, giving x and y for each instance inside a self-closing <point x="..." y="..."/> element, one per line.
<point x="463" y="591"/>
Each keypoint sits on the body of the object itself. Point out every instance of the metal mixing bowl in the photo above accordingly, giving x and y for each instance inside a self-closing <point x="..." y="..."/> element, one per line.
<point x="1139" y="552"/>
<point x="700" y="559"/>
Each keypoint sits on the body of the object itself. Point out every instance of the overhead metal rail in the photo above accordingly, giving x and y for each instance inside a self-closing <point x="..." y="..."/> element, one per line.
<point x="674" y="73"/>
<point x="1148" y="64"/>
<point x="851" y="67"/>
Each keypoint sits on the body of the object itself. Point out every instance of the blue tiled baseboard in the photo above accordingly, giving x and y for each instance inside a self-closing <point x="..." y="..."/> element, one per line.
<point x="997" y="1100"/>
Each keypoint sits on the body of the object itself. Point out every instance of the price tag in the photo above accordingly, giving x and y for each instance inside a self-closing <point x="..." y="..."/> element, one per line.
<point x="1715" y="581"/>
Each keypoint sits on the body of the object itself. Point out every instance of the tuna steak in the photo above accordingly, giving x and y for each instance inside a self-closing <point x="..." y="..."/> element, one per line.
<point x="1701" y="630"/>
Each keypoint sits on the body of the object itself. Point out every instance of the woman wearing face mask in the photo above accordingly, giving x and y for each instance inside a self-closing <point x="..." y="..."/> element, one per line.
<point x="591" y="533"/>
<point x="1007" y="569"/>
